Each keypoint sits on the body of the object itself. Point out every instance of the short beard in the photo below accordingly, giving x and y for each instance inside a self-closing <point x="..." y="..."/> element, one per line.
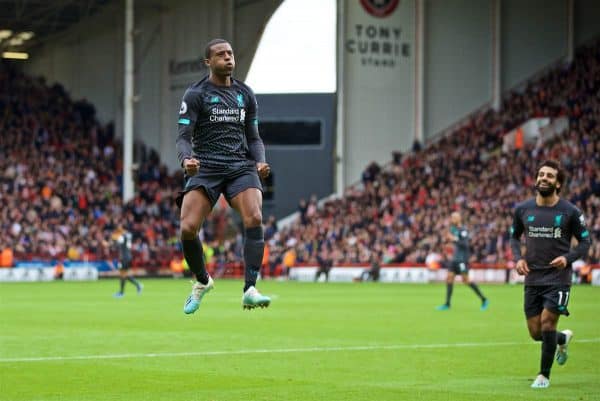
<point x="224" y="72"/>
<point x="546" y="192"/>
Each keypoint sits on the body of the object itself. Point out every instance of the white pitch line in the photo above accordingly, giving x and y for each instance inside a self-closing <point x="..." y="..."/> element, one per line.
<point x="275" y="351"/>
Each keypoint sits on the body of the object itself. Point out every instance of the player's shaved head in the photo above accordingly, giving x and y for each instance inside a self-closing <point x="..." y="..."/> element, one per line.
<point x="209" y="45"/>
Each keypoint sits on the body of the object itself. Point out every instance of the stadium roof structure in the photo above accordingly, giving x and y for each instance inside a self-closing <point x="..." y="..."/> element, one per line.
<point x="26" y="23"/>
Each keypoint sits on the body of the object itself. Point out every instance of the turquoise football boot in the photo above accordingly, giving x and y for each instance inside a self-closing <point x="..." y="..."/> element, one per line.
<point x="561" y="351"/>
<point x="541" y="381"/>
<point x="254" y="299"/>
<point x="198" y="291"/>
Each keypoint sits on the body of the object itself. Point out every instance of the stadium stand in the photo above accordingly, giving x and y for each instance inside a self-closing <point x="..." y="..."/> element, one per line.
<point x="60" y="173"/>
<point x="60" y="186"/>
<point x="401" y="209"/>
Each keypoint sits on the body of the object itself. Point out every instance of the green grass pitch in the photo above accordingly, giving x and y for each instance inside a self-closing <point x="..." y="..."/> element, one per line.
<point x="75" y="342"/>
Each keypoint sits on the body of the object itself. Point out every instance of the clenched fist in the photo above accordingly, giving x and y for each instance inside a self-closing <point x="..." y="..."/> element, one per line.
<point x="191" y="166"/>
<point x="263" y="170"/>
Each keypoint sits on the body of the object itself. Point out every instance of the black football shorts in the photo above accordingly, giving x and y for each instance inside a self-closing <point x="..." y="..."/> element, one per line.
<point x="555" y="298"/>
<point x="228" y="182"/>
<point x="458" y="267"/>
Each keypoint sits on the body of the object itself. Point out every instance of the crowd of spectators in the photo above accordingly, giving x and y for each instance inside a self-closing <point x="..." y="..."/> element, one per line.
<point x="61" y="172"/>
<point x="401" y="210"/>
<point x="60" y="181"/>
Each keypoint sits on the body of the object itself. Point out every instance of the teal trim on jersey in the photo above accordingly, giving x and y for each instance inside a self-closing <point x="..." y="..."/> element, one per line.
<point x="512" y="230"/>
<point x="557" y="219"/>
<point x="185" y="121"/>
<point x="215" y="99"/>
<point x="255" y="121"/>
<point x="584" y="234"/>
<point x="240" y="100"/>
<point x="530" y="219"/>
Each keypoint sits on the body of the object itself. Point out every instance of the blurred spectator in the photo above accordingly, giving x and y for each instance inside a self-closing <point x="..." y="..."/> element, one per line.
<point x="6" y="257"/>
<point x="371" y="172"/>
<point x="289" y="260"/>
<point x="270" y="228"/>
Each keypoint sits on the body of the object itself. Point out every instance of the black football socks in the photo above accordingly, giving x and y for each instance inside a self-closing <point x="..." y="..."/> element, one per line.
<point x="449" y="289"/>
<point x="194" y="256"/>
<point x="475" y="288"/>
<point x="548" y="350"/>
<point x="254" y="247"/>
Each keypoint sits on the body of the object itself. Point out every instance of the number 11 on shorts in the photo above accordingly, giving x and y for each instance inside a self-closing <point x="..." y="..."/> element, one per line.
<point x="562" y="294"/>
